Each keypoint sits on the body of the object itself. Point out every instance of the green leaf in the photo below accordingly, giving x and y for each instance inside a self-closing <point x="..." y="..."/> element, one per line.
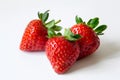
<point x="51" y="33"/>
<point x="100" y="33"/>
<point x="57" y="28"/>
<point x="88" y="23"/>
<point x="50" y="24"/>
<point x="76" y="36"/>
<point x="70" y="36"/>
<point x="93" y="22"/>
<point x="40" y="15"/>
<point x="45" y="16"/>
<point x="52" y="27"/>
<point x="58" y="34"/>
<point x="100" y="29"/>
<point x="78" y="20"/>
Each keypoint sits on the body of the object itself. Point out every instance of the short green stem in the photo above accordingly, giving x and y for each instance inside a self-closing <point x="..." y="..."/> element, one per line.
<point x="57" y="21"/>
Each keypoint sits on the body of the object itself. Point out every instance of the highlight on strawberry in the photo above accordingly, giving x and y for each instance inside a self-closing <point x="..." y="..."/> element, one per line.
<point x="36" y="32"/>
<point x="89" y="32"/>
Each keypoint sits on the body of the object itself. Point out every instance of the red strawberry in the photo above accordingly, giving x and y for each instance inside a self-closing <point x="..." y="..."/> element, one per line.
<point x="35" y="35"/>
<point x="62" y="52"/>
<point x="89" y="32"/>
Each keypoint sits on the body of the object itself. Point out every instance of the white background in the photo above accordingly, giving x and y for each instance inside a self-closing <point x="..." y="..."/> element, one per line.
<point x="18" y="65"/>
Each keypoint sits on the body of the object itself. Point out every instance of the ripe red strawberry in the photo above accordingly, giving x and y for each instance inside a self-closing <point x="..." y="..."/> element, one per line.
<point x="34" y="37"/>
<point x="36" y="32"/>
<point x="62" y="51"/>
<point x="89" y="32"/>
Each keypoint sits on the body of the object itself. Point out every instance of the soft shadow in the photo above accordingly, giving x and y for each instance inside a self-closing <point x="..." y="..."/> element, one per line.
<point x="107" y="50"/>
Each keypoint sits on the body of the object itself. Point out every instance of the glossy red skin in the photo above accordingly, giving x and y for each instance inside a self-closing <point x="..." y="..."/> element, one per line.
<point x="34" y="37"/>
<point x="89" y="42"/>
<point x="61" y="53"/>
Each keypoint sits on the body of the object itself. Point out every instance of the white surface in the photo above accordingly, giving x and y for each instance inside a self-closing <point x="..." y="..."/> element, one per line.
<point x="18" y="65"/>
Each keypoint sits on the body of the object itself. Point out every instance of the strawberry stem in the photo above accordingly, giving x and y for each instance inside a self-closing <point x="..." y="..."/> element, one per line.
<point x="58" y="21"/>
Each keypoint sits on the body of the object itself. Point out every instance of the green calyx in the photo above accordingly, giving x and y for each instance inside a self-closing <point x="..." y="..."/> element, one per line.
<point x="93" y="23"/>
<point x="67" y="34"/>
<point x="52" y="27"/>
<point x="71" y="36"/>
<point x="43" y="16"/>
<point x="100" y="29"/>
<point x="54" y="30"/>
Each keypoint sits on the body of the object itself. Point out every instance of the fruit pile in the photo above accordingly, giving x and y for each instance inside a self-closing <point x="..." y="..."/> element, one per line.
<point x="62" y="51"/>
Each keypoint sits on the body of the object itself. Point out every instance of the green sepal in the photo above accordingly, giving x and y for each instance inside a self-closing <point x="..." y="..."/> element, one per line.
<point x="50" y="24"/>
<point x="43" y="16"/>
<point x="76" y="36"/>
<point x="100" y="29"/>
<point x="70" y="36"/>
<point x="40" y="15"/>
<point x="58" y="34"/>
<point x="56" y="28"/>
<point x="93" y="22"/>
<point x="52" y="28"/>
<point x="78" y="20"/>
<point x="88" y="23"/>
<point x="51" y="33"/>
<point x="100" y="33"/>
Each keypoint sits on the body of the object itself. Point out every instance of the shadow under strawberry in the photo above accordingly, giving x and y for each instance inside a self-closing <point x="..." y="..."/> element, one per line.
<point x="107" y="50"/>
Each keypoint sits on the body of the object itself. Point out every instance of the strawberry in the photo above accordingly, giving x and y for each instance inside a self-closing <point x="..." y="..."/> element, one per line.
<point x="89" y="32"/>
<point x="62" y="51"/>
<point x="36" y="32"/>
